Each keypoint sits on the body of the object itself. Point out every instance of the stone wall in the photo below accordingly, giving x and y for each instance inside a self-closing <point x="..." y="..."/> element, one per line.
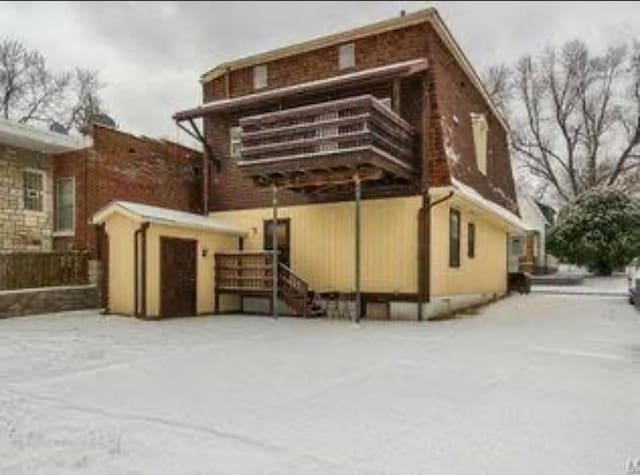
<point x="15" y="303"/>
<point x="23" y="230"/>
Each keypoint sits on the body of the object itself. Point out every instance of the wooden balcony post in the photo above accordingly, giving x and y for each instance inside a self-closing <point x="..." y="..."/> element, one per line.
<point x="274" y="258"/>
<point x="358" y="313"/>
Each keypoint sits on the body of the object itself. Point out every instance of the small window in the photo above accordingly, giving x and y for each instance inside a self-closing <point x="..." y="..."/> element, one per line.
<point x="479" y="129"/>
<point x="65" y="205"/>
<point x="32" y="187"/>
<point x="471" y="240"/>
<point x="235" y="143"/>
<point x="260" y="76"/>
<point x="454" y="238"/>
<point x="347" y="56"/>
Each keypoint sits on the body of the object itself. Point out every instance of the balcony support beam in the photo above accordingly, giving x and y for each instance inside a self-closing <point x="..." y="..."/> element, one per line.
<point x="358" y="312"/>
<point x="274" y="259"/>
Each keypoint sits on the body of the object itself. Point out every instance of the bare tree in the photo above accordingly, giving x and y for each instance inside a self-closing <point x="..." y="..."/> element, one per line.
<point x="574" y="116"/>
<point x="499" y="84"/>
<point x="31" y="93"/>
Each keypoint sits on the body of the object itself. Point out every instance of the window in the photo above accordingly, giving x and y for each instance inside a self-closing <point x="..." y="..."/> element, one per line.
<point x="235" y="144"/>
<point x="480" y="128"/>
<point x="64" y="204"/>
<point x="260" y="76"/>
<point x="32" y="187"/>
<point x="454" y="238"/>
<point x="471" y="240"/>
<point x="347" y="56"/>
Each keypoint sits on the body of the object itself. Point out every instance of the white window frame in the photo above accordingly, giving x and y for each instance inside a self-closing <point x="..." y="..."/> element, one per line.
<point x="480" y="131"/>
<point x="43" y="191"/>
<point x="260" y="76"/>
<point x="69" y="231"/>
<point x="235" y="144"/>
<point x="347" y="56"/>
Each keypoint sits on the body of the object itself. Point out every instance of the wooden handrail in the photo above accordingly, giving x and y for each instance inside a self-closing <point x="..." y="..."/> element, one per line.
<point x="342" y="124"/>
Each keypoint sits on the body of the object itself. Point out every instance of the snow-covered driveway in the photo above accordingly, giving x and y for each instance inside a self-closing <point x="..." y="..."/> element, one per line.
<point x="535" y="384"/>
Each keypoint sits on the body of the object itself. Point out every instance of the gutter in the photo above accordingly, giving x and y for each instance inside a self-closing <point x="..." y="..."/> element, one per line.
<point x="140" y="285"/>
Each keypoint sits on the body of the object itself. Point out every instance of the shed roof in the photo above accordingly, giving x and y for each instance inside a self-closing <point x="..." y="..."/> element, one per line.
<point x="169" y="217"/>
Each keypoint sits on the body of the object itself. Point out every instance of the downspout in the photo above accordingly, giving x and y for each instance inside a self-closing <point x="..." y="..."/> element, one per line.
<point x="425" y="257"/>
<point x="137" y="285"/>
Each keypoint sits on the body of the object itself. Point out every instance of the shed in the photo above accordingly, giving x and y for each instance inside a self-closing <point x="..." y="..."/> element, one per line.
<point x="160" y="262"/>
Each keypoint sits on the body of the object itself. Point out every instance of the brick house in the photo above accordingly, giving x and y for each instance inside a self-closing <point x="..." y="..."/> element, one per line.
<point x="27" y="185"/>
<point x="120" y="166"/>
<point x="51" y="184"/>
<point x="373" y="160"/>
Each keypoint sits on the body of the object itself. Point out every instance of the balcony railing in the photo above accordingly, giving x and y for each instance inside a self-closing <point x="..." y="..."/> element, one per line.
<point x="327" y="130"/>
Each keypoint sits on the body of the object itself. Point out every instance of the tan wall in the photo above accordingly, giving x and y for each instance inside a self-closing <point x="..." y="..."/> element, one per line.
<point x="213" y="242"/>
<point x="486" y="272"/>
<point x="121" y="229"/>
<point x="322" y="242"/>
<point x="121" y="265"/>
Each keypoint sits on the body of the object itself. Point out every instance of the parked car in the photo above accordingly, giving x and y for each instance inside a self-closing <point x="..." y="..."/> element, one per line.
<point x="633" y="277"/>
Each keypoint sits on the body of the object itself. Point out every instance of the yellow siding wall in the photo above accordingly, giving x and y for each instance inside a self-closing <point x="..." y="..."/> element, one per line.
<point x="211" y="241"/>
<point x="121" y="287"/>
<point x="486" y="272"/>
<point x="322" y="242"/>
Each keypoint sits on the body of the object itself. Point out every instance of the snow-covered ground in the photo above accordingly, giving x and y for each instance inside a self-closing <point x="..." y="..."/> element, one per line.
<point x="615" y="285"/>
<point x="533" y="384"/>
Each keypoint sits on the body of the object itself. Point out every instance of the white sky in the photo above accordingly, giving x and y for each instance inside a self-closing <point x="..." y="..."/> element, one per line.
<point x="150" y="55"/>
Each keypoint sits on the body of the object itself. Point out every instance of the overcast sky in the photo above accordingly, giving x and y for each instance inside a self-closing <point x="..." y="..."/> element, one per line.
<point x="150" y="55"/>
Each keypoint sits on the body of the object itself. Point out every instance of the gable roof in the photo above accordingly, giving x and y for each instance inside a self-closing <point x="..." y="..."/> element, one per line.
<point x="169" y="217"/>
<point x="428" y="15"/>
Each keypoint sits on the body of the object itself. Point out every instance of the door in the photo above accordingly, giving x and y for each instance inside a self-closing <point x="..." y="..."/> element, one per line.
<point x="283" y="237"/>
<point x="178" y="271"/>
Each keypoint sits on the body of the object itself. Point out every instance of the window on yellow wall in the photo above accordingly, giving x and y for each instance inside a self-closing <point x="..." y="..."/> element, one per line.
<point x="479" y="128"/>
<point x="454" y="238"/>
<point x="471" y="240"/>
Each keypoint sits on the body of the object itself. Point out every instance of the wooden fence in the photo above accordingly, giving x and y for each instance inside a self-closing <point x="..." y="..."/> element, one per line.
<point x="26" y="270"/>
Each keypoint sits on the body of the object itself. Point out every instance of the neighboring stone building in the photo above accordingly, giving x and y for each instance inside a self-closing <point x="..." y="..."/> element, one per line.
<point x="26" y="185"/>
<point x="51" y="184"/>
<point x="120" y="166"/>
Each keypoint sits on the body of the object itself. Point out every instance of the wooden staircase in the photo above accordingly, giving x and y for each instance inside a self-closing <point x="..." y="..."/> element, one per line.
<point x="250" y="273"/>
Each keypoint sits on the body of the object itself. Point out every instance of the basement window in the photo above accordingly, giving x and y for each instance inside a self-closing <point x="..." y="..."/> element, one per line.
<point x="347" y="56"/>
<point x="454" y="238"/>
<point x="260" y="74"/>
<point x="33" y="187"/>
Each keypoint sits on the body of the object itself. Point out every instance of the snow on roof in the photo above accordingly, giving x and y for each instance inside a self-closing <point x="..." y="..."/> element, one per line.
<point x="31" y="138"/>
<point x="220" y="104"/>
<point x="473" y="195"/>
<point x="169" y="217"/>
<point x="532" y="215"/>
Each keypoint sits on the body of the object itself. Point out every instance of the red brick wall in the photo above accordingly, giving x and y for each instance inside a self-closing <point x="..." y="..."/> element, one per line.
<point x="377" y="50"/>
<point x="453" y="96"/>
<point x="120" y="166"/>
<point x="429" y="102"/>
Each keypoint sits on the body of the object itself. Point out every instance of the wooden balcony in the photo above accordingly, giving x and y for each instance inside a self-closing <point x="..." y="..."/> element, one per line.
<point x="312" y="145"/>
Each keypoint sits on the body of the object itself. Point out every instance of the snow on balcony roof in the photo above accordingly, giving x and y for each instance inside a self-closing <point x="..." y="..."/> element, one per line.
<point x="169" y="217"/>
<point x="38" y="140"/>
<point x="403" y="68"/>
